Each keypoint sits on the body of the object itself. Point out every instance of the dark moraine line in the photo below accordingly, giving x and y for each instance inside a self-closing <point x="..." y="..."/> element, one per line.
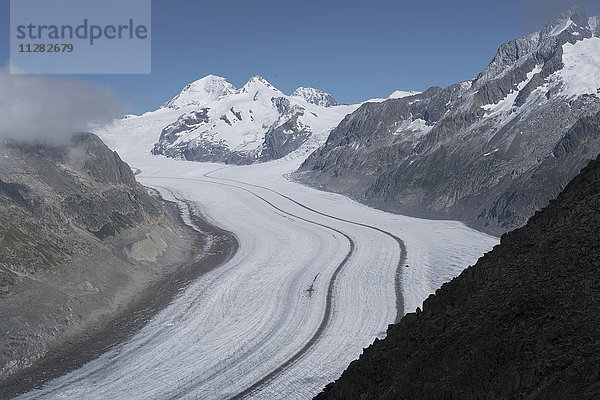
<point x="328" y="301"/>
<point x="72" y="356"/>
<point x="401" y="245"/>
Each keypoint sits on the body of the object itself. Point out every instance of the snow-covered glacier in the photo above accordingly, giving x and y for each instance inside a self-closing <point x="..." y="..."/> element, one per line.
<point x="315" y="280"/>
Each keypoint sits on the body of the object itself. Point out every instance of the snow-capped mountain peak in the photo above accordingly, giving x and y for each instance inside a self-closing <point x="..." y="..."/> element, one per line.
<point x="212" y="120"/>
<point x="574" y="16"/>
<point x="258" y="83"/>
<point x="398" y="94"/>
<point x="199" y="92"/>
<point x="315" y="96"/>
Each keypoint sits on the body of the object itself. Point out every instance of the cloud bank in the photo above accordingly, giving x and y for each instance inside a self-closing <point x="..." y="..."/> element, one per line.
<point x="44" y="110"/>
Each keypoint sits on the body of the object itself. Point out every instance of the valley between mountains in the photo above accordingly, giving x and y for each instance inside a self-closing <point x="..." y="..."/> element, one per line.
<point x="309" y="189"/>
<point x="315" y="279"/>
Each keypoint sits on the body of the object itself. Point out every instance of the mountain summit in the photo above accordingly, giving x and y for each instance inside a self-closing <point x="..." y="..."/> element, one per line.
<point x="257" y="83"/>
<point x="209" y="88"/>
<point x="315" y="96"/>
<point x="574" y="17"/>
<point x="212" y="120"/>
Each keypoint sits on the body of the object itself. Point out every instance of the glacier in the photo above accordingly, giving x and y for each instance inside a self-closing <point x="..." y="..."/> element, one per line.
<point x="250" y="328"/>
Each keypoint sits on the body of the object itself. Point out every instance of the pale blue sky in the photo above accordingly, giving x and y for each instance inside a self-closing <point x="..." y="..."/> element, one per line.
<point x="354" y="50"/>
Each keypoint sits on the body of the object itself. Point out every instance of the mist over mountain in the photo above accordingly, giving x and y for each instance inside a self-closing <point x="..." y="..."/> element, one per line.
<point x="40" y="109"/>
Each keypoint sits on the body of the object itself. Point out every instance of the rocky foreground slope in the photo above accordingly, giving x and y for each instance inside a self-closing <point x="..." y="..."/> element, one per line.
<point x="489" y="151"/>
<point x="80" y="239"/>
<point x="523" y="323"/>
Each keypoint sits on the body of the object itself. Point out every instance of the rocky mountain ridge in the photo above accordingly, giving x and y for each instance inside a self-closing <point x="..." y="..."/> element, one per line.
<point x="481" y="151"/>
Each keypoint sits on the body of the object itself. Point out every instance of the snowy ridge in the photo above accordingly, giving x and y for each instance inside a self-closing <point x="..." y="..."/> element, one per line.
<point x="578" y="76"/>
<point x="258" y="83"/>
<point x="212" y="120"/>
<point x="202" y="91"/>
<point x="561" y="27"/>
<point x="315" y="96"/>
<point x="506" y="103"/>
<point x="399" y="94"/>
<point x="396" y="94"/>
<point x="573" y="18"/>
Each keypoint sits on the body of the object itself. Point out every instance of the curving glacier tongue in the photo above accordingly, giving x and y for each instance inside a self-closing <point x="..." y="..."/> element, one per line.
<point x="234" y="330"/>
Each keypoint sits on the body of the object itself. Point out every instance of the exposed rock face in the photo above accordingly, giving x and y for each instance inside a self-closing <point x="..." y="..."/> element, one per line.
<point x="79" y="238"/>
<point x="288" y="134"/>
<point x="482" y="151"/>
<point x="522" y="323"/>
<point x="47" y="192"/>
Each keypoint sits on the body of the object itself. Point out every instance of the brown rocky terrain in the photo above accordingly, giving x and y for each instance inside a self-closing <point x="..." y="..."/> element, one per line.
<point x="522" y="323"/>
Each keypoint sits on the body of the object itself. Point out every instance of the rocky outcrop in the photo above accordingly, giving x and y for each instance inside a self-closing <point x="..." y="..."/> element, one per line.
<point x="522" y="323"/>
<point x="285" y="136"/>
<point x="480" y="151"/>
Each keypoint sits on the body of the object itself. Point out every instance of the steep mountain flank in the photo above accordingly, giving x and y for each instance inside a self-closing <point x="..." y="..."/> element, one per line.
<point x="481" y="151"/>
<point x="522" y="323"/>
<point x="80" y="240"/>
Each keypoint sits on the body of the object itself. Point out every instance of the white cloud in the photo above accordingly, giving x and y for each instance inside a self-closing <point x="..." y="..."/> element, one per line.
<point x="45" y="110"/>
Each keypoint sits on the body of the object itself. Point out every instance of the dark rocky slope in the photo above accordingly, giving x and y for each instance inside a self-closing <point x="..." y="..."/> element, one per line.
<point x="523" y="323"/>
<point x="480" y="151"/>
<point x="80" y="239"/>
